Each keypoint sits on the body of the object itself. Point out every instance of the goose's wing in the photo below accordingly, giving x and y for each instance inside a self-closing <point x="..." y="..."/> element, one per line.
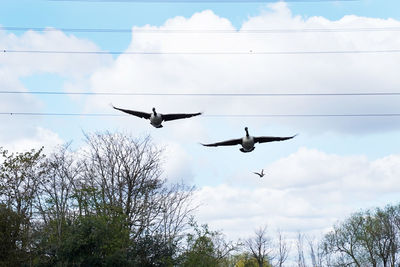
<point x="170" y="117"/>
<point x="264" y="139"/>
<point x="226" y="143"/>
<point x="134" y="113"/>
<point x="259" y="174"/>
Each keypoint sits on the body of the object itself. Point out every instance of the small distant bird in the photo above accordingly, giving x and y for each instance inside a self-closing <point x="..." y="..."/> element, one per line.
<point x="248" y="141"/>
<point x="260" y="174"/>
<point x="157" y="118"/>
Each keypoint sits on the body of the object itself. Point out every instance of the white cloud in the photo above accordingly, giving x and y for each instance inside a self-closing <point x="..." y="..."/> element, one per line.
<point x="35" y="139"/>
<point x="177" y="164"/>
<point x="65" y="65"/>
<point x="320" y="73"/>
<point x="22" y="131"/>
<point x="306" y="191"/>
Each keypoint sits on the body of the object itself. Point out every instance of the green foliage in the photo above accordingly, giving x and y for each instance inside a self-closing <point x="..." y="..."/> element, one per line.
<point x="10" y="236"/>
<point x="369" y="238"/>
<point x="152" y="250"/>
<point x="246" y="260"/>
<point x="201" y="253"/>
<point x="104" y="206"/>
<point x="95" y="240"/>
<point x="20" y="174"/>
<point x="19" y="177"/>
<point x="205" y="248"/>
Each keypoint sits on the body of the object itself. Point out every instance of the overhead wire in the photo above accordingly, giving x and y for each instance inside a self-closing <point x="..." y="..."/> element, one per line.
<point x="249" y="52"/>
<point x="209" y="115"/>
<point x="202" y="1"/>
<point x="188" y="31"/>
<point x="209" y="94"/>
<point x="203" y="94"/>
<point x="196" y="31"/>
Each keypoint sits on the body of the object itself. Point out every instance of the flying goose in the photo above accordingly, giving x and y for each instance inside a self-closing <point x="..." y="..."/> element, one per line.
<point x="248" y="141"/>
<point x="157" y="118"/>
<point x="260" y="174"/>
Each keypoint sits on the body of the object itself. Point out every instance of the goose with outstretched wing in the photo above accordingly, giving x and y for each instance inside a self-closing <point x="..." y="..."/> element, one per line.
<point x="261" y="174"/>
<point x="157" y="118"/>
<point x="247" y="142"/>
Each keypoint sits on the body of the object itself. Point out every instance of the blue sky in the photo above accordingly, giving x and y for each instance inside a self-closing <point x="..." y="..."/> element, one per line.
<point x="83" y="14"/>
<point x="335" y="166"/>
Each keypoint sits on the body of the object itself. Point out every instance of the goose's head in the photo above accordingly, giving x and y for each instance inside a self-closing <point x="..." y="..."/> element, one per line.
<point x="154" y="111"/>
<point x="247" y="131"/>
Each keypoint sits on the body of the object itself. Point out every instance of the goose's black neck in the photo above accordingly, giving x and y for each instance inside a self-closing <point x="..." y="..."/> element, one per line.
<point x="247" y="131"/>
<point x="154" y="112"/>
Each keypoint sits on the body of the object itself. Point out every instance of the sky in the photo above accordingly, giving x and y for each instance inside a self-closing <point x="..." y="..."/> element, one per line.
<point x="334" y="167"/>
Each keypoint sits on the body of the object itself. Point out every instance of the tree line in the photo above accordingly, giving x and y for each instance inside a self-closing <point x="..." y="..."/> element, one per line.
<point x="107" y="204"/>
<point x="103" y="205"/>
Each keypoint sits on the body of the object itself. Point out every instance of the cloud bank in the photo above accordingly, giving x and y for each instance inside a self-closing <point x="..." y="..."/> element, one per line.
<point x="307" y="191"/>
<point x="226" y="73"/>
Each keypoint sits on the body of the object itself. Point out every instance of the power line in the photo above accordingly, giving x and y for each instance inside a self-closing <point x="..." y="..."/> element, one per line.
<point x="202" y="1"/>
<point x="303" y="115"/>
<point x="204" y="94"/>
<point x="188" y="31"/>
<point x="208" y="115"/>
<point x="250" y="52"/>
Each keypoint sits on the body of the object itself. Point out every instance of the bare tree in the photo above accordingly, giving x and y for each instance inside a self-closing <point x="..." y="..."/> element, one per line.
<point x="125" y="175"/>
<point x="283" y="249"/>
<point x="260" y="246"/>
<point x="316" y="252"/>
<point x="300" y="250"/>
<point x="393" y="230"/>
<point x="176" y="209"/>
<point x="312" y="253"/>
<point x="54" y="199"/>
